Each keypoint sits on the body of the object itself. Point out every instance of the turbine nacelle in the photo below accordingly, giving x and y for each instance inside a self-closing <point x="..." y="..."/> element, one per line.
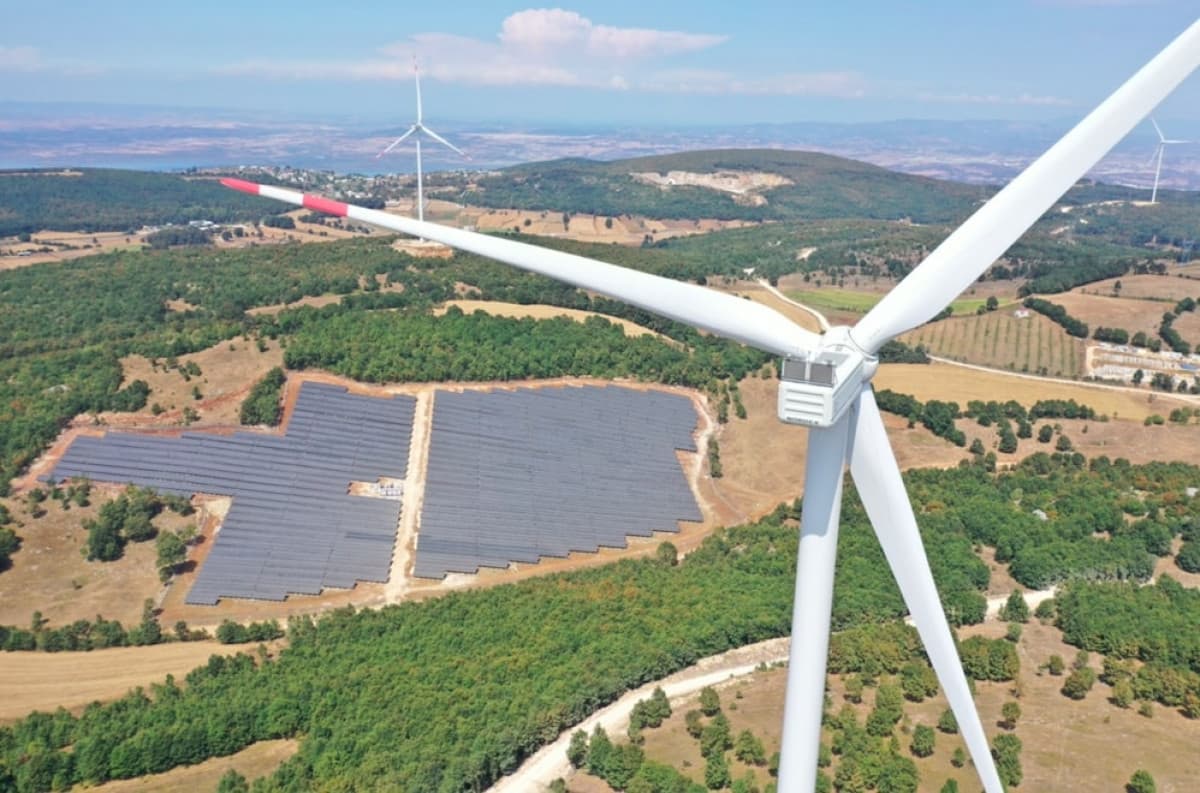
<point x="817" y="388"/>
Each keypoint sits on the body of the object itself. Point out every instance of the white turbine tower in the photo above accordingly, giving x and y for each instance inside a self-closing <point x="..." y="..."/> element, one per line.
<point x="825" y="385"/>
<point x="416" y="129"/>
<point x="1163" y="143"/>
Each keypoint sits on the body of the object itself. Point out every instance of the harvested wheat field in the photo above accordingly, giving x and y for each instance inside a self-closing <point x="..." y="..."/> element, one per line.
<point x="44" y="681"/>
<point x="1131" y="314"/>
<point x="1170" y="288"/>
<point x="1001" y="340"/>
<point x="256" y="760"/>
<point x="949" y="382"/>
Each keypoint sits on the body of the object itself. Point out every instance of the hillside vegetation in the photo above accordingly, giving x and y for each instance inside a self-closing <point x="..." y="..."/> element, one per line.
<point x="823" y="186"/>
<point x="449" y="694"/>
<point x="101" y="199"/>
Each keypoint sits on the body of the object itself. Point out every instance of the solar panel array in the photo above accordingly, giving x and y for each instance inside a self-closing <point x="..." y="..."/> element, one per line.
<point x="293" y="527"/>
<point x="517" y="475"/>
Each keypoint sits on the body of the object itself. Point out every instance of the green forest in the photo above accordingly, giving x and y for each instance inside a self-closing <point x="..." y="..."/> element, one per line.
<point x="100" y="199"/>
<point x="448" y="694"/>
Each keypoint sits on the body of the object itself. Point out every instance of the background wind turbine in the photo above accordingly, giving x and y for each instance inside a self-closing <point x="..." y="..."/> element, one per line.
<point x="1163" y="143"/>
<point x="825" y="385"/>
<point x="417" y="129"/>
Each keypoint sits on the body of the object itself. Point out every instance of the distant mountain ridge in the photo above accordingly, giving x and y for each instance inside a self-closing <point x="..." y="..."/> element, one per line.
<point x="820" y="186"/>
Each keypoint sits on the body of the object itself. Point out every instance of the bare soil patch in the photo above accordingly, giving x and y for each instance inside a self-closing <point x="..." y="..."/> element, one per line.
<point x="744" y="186"/>
<point x="256" y="760"/>
<point x="44" y="681"/>
<point x="318" y="301"/>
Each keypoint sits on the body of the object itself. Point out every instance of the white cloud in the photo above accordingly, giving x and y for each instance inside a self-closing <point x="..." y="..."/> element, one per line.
<point x="702" y="81"/>
<point x="995" y="99"/>
<point x="550" y="47"/>
<point x="20" y="59"/>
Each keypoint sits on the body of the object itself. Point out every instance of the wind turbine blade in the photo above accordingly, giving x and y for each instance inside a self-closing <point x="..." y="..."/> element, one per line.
<point x="881" y="490"/>
<point x="444" y="142"/>
<point x="721" y="313"/>
<point x="809" y="648"/>
<point x="397" y="141"/>
<point x="1161" y="137"/>
<point x="417" y="78"/>
<point x="987" y="234"/>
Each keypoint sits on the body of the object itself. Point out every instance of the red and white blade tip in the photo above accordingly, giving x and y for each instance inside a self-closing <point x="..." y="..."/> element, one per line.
<point x="241" y="184"/>
<point x="313" y="202"/>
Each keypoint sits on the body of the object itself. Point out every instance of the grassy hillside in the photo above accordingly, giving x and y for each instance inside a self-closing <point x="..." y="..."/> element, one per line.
<point x="822" y="186"/>
<point x="111" y="200"/>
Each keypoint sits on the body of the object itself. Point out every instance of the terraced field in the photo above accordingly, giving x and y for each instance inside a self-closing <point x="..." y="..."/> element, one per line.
<point x="1000" y="339"/>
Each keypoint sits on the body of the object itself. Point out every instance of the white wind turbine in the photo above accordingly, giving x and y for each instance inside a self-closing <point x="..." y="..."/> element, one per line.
<point x="1163" y="143"/>
<point x="417" y="128"/>
<point x="825" y="385"/>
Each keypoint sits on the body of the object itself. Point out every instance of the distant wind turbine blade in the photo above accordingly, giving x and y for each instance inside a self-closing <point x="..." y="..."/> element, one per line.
<point x="1161" y="137"/>
<point x="397" y="141"/>
<point x="444" y="142"/>
<point x="881" y="490"/>
<point x="804" y="700"/>
<point x="721" y="313"/>
<point x="417" y="78"/>
<point x="987" y="234"/>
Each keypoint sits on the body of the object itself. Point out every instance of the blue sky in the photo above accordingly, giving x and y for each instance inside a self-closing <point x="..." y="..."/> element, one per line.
<point x="667" y="62"/>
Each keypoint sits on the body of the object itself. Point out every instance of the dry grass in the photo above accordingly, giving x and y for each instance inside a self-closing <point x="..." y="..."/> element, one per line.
<point x="961" y="384"/>
<point x="1098" y="310"/>
<point x="44" y="681"/>
<point x="538" y="311"/>
<point x="998" y="339"/>
<point x="50" y="574"/>
<point x="1145" y="287"/>
<point x="228" y="371"/>
<point x="254" y="761"/>
<point x="759" y="294"/>
<point x="1068" y="746"/>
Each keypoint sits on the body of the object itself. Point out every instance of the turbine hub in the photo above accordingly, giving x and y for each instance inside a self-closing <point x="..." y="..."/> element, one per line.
<point x="816" y="388"/>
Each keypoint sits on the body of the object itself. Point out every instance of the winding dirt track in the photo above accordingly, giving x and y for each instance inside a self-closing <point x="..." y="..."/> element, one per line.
<point x="550" y="763"/>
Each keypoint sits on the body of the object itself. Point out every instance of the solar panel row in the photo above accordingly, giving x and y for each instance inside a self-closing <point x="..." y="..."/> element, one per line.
<point x="293" y="527"/>
<point x="515" y="476"/>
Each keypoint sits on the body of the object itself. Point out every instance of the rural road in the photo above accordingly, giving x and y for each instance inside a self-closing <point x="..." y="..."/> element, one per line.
<point x="550" y="763"/>
<point x="821" y="320"/>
